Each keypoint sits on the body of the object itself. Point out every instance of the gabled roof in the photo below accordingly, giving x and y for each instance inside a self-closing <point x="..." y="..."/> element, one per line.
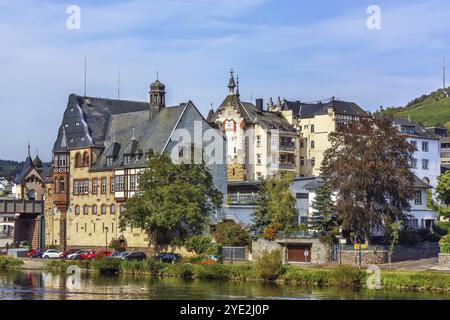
<point x="309" y="110"/>
<point x="252" y="115"/>
<point x="27" y="167"/>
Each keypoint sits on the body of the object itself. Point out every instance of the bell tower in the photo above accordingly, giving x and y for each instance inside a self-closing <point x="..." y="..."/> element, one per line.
<point x="157" y="95"/>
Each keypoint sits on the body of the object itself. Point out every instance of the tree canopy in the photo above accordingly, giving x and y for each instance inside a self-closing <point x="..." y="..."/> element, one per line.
<point x="172" y="201"/>
<point x="368" y="167"/>
<point x="275" y="204"/>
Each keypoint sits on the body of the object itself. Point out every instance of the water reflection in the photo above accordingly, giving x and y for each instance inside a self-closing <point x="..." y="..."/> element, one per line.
<point x="55" y="286"/>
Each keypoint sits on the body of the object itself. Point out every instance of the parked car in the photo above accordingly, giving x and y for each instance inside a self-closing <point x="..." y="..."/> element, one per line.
<point x="31" y="253"/>
<point x="136" y="255"/>
<point x="77" y="255"/>
<point x="38" y="252"/>
<point x="67" y="252"/>
<point x="168" y="257"/>
<point x="51" y="254"/>
<point x="118" y="254"/>
<point x="95" y="255"/>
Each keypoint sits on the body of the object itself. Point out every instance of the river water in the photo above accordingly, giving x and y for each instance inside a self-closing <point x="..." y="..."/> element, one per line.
<point x="28" y="285"/>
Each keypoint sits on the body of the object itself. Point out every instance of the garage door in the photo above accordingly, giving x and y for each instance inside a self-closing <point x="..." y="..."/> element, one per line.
<point x="299" y="253"/>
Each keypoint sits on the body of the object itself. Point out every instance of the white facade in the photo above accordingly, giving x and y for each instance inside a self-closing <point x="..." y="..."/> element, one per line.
<point x="421" y="216"/>
<point x="427" y="159"/>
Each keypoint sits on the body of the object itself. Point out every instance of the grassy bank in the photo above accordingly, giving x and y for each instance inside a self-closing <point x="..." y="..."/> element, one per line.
<point x="286" y="275"/>
<point x="9" y="263"/>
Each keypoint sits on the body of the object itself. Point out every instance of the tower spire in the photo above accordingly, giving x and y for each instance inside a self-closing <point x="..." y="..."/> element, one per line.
<point x="29" y="154"/>
<point x="231" y="83"/>
<point x="237" y="85"/>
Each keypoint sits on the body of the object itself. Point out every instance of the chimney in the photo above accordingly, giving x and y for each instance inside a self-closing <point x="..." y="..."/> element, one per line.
<point x="259" y="104"/>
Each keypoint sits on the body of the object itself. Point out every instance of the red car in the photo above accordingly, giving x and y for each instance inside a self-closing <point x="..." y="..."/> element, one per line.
<point x="66" y="253"/>
<point x="95" y="255"/>
<point x="31" y="253"/>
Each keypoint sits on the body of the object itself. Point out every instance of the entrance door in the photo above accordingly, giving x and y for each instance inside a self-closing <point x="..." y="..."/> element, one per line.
<point x="299" y="253"/>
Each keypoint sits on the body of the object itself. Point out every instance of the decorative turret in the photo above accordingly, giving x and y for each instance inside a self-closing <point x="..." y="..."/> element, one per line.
<point x="231" y="83"/>
<point x="157" y="95"/>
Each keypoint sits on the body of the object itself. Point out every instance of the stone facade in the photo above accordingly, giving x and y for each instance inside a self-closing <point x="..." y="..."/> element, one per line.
<point x="444" y="261"/>
<point x="320" y="252"/>
<point x="235" y="172"/>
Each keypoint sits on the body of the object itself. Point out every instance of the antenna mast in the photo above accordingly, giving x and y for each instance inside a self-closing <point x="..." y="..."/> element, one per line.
<point x="118" y="85"/>
<point x="85" y="75"/>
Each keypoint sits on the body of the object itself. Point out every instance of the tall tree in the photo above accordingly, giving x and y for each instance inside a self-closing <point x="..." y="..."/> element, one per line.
<point x="443" y="194"/>
<point x="173" y="201"/>
<point x="368" y="166"/>
<point x="324" y="219"/>
<point x="275" y="203"/>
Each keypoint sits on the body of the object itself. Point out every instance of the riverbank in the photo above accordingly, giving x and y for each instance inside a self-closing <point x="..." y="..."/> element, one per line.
<point x="344" y="276"/>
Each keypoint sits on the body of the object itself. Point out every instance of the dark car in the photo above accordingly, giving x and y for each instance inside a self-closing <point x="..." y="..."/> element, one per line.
<point x="118" y="255"/>
<point x="66" y="253"/>
<point x="137" y="255"/>
<point x="168" y="257"/>
<point x="38" y="253"/>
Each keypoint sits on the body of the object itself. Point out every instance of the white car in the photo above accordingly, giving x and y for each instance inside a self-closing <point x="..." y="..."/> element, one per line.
<point x="51" y="254"/>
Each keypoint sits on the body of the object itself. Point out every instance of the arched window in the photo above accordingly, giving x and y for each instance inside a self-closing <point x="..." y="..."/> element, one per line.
<point x="77" y="209"/>
<point x="103" y="209"/>
<point x="113" y="209"/>
<point x="85" y="209"/>
<point x="62" y="187"/>
<point x="86" y="159"/>
<point x="426" y="180"/>
<point x="78" y="160"/>
<point x="94" y="209"/>
<point x="32" y="194"/>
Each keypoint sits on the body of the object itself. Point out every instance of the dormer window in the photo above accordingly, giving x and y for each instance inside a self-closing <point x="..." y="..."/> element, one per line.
<point x="77" y="124"/>
<point x="109" y="161"/>
<point x="126" y="159"/>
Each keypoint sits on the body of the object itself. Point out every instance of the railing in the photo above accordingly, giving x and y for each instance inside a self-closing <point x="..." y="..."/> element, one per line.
<point x="234" y="253"/>
<point x="241" y="198"/>
<point x="287" y="147"/>
<point x="6" y="235"/>
<point x="298" y="235"/>
<point x="286" y="166"/>
<point x="21" y="206"/>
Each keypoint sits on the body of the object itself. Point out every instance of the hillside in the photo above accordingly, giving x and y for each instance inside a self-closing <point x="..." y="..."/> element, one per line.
<point x="429" y="110"/>
<point x="10" y="168"/>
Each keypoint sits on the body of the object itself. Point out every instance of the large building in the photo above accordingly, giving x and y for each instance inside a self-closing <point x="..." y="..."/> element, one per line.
<point x="101" y="147"/>
<point x="316" y="121"/>
<point x="260" y="143"/>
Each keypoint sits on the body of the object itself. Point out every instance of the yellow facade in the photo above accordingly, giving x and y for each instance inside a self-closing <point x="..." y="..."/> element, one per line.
<point x="93" y="216"/>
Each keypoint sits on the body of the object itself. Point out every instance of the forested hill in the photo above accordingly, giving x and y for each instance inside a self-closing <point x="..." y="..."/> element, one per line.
<point x="10" y="168"/>
<point x="431" y="110"/>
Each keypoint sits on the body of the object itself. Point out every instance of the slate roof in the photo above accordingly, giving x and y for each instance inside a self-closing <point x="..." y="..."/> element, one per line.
<point x="309" y="110"/>
<point x="267" y="119"/>
<point x="419" y="131"/>
<point x="86" y="119"/>
<point x="27" y="167"/>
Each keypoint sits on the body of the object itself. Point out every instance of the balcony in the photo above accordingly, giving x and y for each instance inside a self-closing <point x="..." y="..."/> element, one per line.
<point x="286" y="166"/>
<point x="287" y="146"/>
<point x="242" y="198"/>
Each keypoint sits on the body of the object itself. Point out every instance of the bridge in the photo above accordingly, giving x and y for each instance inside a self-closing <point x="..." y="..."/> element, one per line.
<point x="25" y="217"/>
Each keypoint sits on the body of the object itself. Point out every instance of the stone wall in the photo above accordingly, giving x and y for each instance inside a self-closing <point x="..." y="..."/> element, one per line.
<point x="261" y="245"/>
<point x="444" y="261"/>
<point x="423" y="250"/>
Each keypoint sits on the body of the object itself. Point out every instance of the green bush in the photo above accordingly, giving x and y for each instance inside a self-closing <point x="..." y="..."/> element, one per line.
<point x="181" y="270"/>
<point x="408" y="237"/>
<point x="202" y="245"/>
<point x="105" y="264"/>
<point x="7" y="262"/>
<point x="306" y="276"/>
<point x="149" y="266"/>
<point x="58" y="265"/>
<point x="346" y="276"/>
<point x="229" y="233"/>
<point x="269" y="266"/>
<point x="443" y="228"/>
<point x="444" y="243"/>
<point x="213" y="272"/>
<point x="415" y="280"/>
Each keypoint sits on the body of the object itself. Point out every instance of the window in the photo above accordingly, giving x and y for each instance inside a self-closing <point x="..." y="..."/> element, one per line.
<point x="312" y="144"/>
<point x="85" y="210"/>
<point x="303" y="220"/>
<point x="413" y="223"/>
<point x="312" y="128"/>
<point x="133" y="182"/>
<point x="126" y="159"/>
<point x="302" y="161"/>
<point x="103" y="209"/>
<point x="234" y="150"/>
<point x="122" y="208"/>
<point x="113" y="209"/>
<point x="120" y="183"/>
<point x="62" y="187"/>
<point x="77" y="209"/>
<point x="313" y="162"/>
<point x="76" y="186"/>
<point x="258" y="159"/>
<point x="78" y="160"/>
<point x="414" y="143"/>
<point x="103" y="185"/>
<point x="414" y="163"/>
<point x="302" y="195"/>
<point x="60" y="160"/>
<point x="95" y="186"/>
<point x="424" y="146"/>
<point x="258" y="141"/>
<point x="259" y="175"/>
<point x="86" y="186"/>
<point x="302" y="145"/>
<point x="418" y="198"/>
<point x="109" y="161"/>
<point x="425" y="163"/>
<point x="112" y="184"/>
<point x="94" y="209"/>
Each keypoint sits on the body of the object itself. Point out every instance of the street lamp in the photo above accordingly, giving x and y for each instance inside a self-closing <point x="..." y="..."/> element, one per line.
<point x="106" y="243"/>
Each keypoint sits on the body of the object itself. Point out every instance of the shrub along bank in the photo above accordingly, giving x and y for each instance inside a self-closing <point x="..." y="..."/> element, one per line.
<point x="344" y="276"/>
<point x="8" y="263"/>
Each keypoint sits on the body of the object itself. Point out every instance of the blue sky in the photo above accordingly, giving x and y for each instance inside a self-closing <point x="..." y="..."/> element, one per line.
<point x="301" y="50"/>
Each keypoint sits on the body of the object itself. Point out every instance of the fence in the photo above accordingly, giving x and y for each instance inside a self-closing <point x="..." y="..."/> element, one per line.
<point x="234" y="253"/>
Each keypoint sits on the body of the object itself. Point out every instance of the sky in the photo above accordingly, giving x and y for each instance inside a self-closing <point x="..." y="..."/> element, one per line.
<point x="299" y="50"/>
